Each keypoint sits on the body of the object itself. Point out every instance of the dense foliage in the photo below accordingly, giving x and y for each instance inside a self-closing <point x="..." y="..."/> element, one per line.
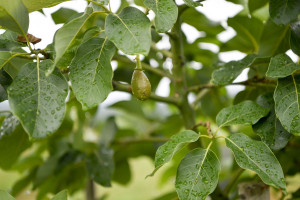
<point x="54" y="96"/>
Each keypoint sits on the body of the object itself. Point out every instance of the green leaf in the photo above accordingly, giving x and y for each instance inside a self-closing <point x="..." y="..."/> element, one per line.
<point x="295" y="37"/>
<point x="246" y="112"/>
<point x="166" y="13"/>
<point x="5" y="195"/>
<point x="9" y="125"/>
<point x="5" y="81"/>
<point x="8" y="41"/>
<point x="198" y="20"/>
<point x="269" y="128"/>
<point x="256" y="4"/>
<point x="14" y="65"/>
<point x="108" y="132"/>
<point x="62" y="15"/>
<point x="63" y="195"/>
<point x="13" y="141"/>
<point x="100" y="165"/>
<point x="14" y="16"/>
<point x="281" y="66"/>
<point x="165" y="152"/>
<point x="122" y="173"/>
<point x="250" y="93"/>
<point x="231" y="70"/>
<point x="68" y="38"/>
<point x="130" y="107"/>
<point x="5" y="56"/>
<point x="22" y="183"/>
<point x="45" y="170"/>
<point x="274" y="39"/>
<point x="103" y="2"/>
<point x="248" y="31"/>
<point x="256" y="156"/>
<point x="287" y="105"/>
<point x="192" y="3"/>
<point x="35" y="5"/>
<point x="282" y="12"/>
<point x="70" y="173"/>
<point x="91" y="73"/>
<point x="197" y="174"/>
<point x="38" y="101"/>
<point x="130" y="31"/>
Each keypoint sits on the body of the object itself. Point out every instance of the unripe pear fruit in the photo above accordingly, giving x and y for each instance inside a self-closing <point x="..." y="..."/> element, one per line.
<point x="140" y="84"/>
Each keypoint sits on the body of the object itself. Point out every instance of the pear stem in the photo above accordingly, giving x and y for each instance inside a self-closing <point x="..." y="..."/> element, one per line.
<point x="138" y="63"/>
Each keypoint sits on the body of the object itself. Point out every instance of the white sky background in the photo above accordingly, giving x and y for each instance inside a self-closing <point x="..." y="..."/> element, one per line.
<point x="43" y="27"/>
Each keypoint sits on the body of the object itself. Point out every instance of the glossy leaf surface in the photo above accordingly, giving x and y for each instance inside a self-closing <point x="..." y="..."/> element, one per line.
<point x="165" y="152"/>
<point x="34" y="5"/>
<point x="287" y="105"/>
<point x="248" y="30"/>
<point x="5" y="81"/>
<point x="38" y="101"/>
<point x="197" y="175"/>
<point x="281" y="66"/>
<point x="274" y="39"/>
<point x="295" y="37"/>
<point x="193" y="3"/>
<point x="166" y="13"/>
<point x="246" y="112"/>
<point x="8" y="41"/>
<point x="283" y="12"/>
<point x="14" y="16"/>
<point x="91" y="72"/>
<point x="68" y="38"/>
<point x="256" y="156"/>
<point x="62" y="15"/>
<point x="4" y="58"/>
<point x="230" y="71"/>
<point x="129" y="31"/>
<point x="269" y="128"/>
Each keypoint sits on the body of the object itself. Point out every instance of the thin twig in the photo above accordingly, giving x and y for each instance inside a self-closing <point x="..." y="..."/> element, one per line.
<point x="145" y="66"/>
<point x="126" y="141"/>
<point x="206" y="125"/>
<point x="14" y="55"/>
<point x="198" y="124"/>
<point x="31" y="57"/>
<point x="250" y="82"/>
<point x="127" y="88"/>
<point x="166" y="53"/>
<point x="199" y="96"/>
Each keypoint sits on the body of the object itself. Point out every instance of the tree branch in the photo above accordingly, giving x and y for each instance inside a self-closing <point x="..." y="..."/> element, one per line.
<point x="90" y="190"/>
<point x="145" y="66"/>
<point x="178" y="71"/>
<point x="31" y="57"/>
<point x="250" y="82"/>
<point x="127" y="88"/>
<point x="199" y="96"/>
<point x="166" y="53"/>
<point x="126" y="141"/>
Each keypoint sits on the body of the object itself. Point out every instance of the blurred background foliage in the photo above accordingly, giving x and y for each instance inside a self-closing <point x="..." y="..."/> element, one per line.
<point x="122" y="130"/>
